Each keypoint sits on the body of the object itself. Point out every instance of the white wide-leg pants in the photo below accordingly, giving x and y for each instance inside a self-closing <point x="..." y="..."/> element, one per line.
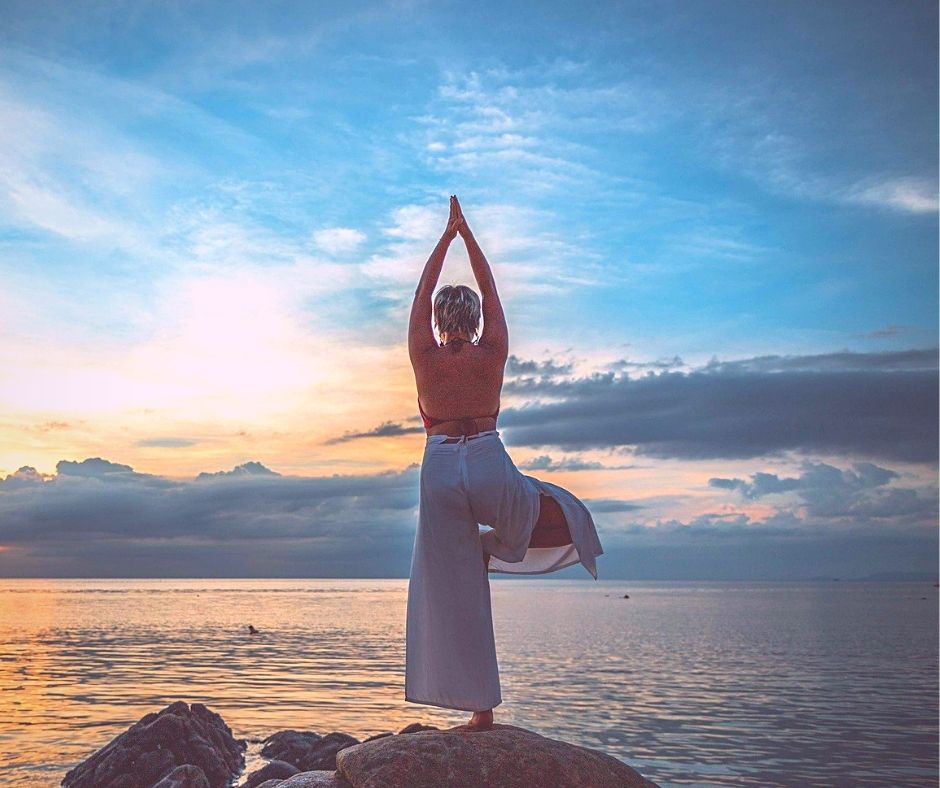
<point x="450" y="646"/>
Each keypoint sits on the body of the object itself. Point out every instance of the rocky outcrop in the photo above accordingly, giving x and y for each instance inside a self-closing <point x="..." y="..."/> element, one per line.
<point x="191" y="747"/>
<point x="306" y="750"/>
<point x="181" y="746"/>
<point x="505" y="756"/>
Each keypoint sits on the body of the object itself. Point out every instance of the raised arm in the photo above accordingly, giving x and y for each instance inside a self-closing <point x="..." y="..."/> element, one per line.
<point x="420" y="334"/>
<point x="495" y="332"/>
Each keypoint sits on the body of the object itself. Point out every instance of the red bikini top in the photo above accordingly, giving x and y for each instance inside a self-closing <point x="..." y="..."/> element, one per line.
<point x="430" y="421"/>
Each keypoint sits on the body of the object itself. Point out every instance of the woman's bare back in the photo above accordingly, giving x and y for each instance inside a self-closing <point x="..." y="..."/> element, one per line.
<point x="460" y="380"/>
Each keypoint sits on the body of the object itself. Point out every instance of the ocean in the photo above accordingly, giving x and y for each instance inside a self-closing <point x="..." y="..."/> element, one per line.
<point x="691" y="683"/>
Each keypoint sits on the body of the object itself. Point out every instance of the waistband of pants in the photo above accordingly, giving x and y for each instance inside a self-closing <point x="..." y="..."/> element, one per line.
<point x="460" y="438"/>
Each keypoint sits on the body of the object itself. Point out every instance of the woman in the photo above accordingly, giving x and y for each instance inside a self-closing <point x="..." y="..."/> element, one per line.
<point x="468" y="479"/>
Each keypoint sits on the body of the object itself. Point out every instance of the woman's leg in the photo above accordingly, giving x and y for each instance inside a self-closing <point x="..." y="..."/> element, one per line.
<point x="551" y="528"/>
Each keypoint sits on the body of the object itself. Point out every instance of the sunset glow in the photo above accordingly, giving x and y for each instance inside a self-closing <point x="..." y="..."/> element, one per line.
<point x="720" y="281"/>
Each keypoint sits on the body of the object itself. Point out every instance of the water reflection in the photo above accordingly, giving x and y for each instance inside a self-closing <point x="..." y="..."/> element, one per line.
<point x="717" y="683"/>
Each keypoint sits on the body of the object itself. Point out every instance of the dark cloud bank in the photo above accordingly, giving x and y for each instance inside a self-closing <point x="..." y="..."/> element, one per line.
<point x="98" y="518"/>
<point x="876" y="405"/>
<point x="101" y="519"/>
<point x="882" y="406"/>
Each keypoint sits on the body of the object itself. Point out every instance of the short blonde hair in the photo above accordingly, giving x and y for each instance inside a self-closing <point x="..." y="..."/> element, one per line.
<point x="457" y="310"/>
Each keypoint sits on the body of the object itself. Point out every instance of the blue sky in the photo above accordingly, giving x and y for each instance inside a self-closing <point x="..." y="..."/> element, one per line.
<point x="213" y="216"/>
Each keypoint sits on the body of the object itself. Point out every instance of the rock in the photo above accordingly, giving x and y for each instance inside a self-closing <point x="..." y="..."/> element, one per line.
<point x="315" y="779"/>
<point x="289" y="745"/>
<point x="417" y="726"/>
<point x="187" y="776"/>
<point x="306" y="750"/>
<point x="378" y="736"/>
<point x="154" y="746"/>
<point x="504" y="756"/>
<point x="626" y="596"/>
<point x="185" y="746"/>
<point x="280" y="770"/>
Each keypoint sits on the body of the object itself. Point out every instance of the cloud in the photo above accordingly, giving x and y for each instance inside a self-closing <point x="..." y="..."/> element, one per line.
<point x="526" y="127"/>
<point x="919" y="359"/>
<point x="253" y="469"/>
<point x="26" y="475"/>
<point x="717" y="547"/>
<point x="607" y="505"/>
<point x="659" y="364"/>
<point x="529" y="256"/>
<point x="715" y="244"/>
<point x="517" y="367"/>
<point x="909" y="194"/>
<point x="98" y="518"/>
<point x="93" y="467"/>
<point x="826" y="491"/>
<point x="544" y="462"/>
<point x="338" y="240"/>
<point x="166" y="443"/>
<point x="816" y="476"/>
<point x="886" y="332"/>
<point x="881" y="404"/>
<point x="249" y="517"/>
<point x="828" y="521"/>
<point x="867" y="404"/>
<point x="387" y="429"/>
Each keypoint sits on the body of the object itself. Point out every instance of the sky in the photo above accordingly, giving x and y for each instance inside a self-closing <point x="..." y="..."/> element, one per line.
<point x="713" y="226"/>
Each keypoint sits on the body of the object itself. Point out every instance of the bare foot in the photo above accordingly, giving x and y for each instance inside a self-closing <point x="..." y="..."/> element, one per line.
<point x="481" y="721"/>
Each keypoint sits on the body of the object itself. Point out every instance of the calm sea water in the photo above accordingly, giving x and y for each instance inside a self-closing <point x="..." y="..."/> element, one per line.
<point x="691" y="683"/>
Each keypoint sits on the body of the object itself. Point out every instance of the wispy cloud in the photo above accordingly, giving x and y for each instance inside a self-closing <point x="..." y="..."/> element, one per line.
<point x="910" y="194"/>
<point x="787" y="160"/>
<point x="166" y="443"/>
<point x="387" y="429"/>
<point x="522" y="127"/>
<point x="338" y="240"/>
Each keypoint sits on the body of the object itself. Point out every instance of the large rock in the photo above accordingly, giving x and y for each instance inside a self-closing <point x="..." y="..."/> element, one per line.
<point x="152" y="749"/>
<point x="275" y="770"/>
<point x="289" y="745"/>
<point x="306" y="750"/>
<point x="505" y="756"/>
